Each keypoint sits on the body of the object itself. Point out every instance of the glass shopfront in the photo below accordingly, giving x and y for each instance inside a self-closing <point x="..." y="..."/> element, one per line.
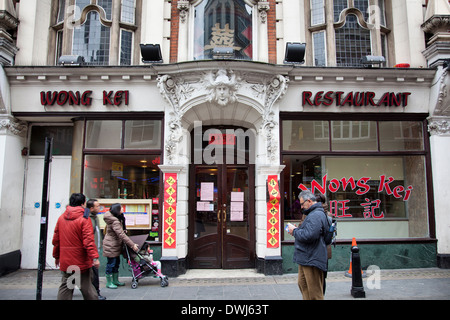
<point x="121" y="159"/>
<point x="373" y="174"/>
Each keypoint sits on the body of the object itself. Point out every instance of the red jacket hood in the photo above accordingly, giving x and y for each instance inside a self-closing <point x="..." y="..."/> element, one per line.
<point x="73" y="213"/>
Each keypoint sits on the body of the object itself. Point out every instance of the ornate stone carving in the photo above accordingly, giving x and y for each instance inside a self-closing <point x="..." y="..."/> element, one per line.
<point x="274" y="90"/>
<point x="263" y="7"/>
<point x="221" y="88"/>
<point x="168" y="89"/>
<point x="436" y="23"/>
<point x="183" y="7"/>
<point x="439" y="126"/>
<point x="16" y="127"/>
<point x="442" y="107"/>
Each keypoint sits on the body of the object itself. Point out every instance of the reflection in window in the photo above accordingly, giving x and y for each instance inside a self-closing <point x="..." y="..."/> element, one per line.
<point x="317" y="12"/>
<point x="354" y="135"/>
<point x="136" y="134"/>
<point x="306" y="135"/>
<point x="128" y="11"/>
<point x="62" y="140"/>
<point x="401" y="135"/>
<point x="338" y="6"/>
<point x="352" y="43"/>
<point x="91" y="40"/>
<point x="320" y="49"/>
<point x="104" y="134"/>
<point x="142" y="134"/>
<point x="223" y="23"/>
<point x="126" y="43"/>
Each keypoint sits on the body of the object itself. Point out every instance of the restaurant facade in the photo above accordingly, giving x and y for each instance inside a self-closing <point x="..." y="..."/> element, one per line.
<point x="207" y="154"/>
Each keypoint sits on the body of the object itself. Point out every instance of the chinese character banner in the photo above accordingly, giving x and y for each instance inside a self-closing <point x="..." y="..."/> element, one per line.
<point x="273" y="212"/>
<point x="170" y="210"/>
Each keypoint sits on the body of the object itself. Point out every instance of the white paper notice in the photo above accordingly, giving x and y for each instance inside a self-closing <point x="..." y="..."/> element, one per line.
<point x="236" y="216"/>
<point x="142" y="219"/>
<point x="237" y="206"/>
<point x="237" y="196"/>
<point x="129" y="220"/>
<point x="205" y="206"/>
<point x="207" y="191"/>
<point x="237" y="210"/>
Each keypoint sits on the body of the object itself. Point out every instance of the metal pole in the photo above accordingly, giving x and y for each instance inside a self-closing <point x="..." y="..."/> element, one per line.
<point x="44" y="217"/>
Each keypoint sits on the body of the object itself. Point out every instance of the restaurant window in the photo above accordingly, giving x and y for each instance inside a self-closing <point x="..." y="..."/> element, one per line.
<point x="372" y="173"/>
<point x="223" y="24"/>
<point x="62" y="140"/>
<point x="121" y="164"/>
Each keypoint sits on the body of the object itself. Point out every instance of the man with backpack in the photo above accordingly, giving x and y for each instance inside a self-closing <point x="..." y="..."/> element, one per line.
<point x="310" y="248"/>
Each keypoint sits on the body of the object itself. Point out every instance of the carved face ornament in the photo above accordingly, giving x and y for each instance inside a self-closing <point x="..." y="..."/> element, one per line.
<point x="222" y="89"/>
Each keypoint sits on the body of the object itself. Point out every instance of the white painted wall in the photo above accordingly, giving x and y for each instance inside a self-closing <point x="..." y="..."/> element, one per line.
<point x="11" y="185"/>
<point x="59" y="192"/>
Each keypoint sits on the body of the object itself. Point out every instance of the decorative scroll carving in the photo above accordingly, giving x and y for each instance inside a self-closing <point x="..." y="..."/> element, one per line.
<point x="274" y="91"/>
<point x="439" y="126"/>
<point x="16" y="127"/>
<point x="168" y="90"/>
<point x="436" y="23"/>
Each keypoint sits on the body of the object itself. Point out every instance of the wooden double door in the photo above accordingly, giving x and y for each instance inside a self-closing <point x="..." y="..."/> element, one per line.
<point x="222" y="216"/>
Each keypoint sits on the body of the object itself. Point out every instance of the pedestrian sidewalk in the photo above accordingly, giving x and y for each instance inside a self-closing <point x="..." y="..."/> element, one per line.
<point x="398" y="284"/>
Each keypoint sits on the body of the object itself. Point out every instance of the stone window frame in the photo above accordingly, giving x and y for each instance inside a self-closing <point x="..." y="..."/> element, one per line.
<point x="381" y="43"/>
<point x="66" y="28"/>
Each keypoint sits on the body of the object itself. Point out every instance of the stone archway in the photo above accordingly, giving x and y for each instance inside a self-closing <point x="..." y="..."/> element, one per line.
<point x="219" y="96"/>
<point x="250" y="91"/>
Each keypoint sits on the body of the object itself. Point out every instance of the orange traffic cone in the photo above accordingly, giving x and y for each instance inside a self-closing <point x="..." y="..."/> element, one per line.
<point x="349" y="272"/>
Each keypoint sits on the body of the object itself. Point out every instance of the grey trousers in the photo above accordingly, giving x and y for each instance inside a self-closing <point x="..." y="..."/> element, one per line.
<point x="86" y="287"/>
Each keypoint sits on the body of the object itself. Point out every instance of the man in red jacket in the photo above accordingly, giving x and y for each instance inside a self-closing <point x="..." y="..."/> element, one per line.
<point x="74" y="250"/>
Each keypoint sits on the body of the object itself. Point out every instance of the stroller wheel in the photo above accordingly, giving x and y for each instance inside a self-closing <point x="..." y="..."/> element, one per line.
<point x="134" y="285"/>
<point x="164" y="281"/>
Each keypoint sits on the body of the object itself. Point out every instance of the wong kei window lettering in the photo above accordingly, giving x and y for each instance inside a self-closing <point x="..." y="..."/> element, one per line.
<point x="372" y="173"/>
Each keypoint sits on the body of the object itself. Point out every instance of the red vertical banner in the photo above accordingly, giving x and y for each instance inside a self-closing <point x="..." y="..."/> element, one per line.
<point x="273" y="212"/>
<point x="170" y="210"/>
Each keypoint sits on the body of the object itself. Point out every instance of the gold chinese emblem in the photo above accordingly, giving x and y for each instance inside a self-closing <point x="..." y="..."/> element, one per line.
<point x="222" y="38"/>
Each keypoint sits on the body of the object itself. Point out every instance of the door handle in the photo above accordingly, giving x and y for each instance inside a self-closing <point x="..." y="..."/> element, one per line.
<point x="225" y="215"/>
<point x="219" y="212"/>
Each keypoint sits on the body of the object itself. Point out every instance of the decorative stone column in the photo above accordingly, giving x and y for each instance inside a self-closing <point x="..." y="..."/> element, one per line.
<point x="269" y="260"/>
<point x="439" y="128"/>
<point x="174" y="219"/>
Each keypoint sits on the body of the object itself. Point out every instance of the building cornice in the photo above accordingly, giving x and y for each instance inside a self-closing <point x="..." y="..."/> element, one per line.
<point x="31" y="74"/>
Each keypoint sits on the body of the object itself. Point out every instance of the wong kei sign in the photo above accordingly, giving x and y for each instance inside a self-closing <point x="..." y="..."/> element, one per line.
<point x="371" y="208"/>
<point x="85" y="98"/>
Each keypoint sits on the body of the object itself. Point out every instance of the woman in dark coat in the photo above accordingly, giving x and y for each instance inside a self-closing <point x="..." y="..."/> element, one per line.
<point x="113" y="243"/>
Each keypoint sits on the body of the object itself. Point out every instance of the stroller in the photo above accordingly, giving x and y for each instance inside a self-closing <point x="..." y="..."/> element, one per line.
<point x="141" y="264"/>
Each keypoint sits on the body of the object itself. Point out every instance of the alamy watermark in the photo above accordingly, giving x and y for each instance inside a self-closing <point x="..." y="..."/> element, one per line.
<point x="234" y="146"/>
<point x="373" y="281"/>
<point x="74" y="280"/>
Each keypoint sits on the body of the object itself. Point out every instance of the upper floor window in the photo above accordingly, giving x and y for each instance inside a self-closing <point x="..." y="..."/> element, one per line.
<point x="359" y="28"/>
<point x="223" y="24"/>
<point x="88" y="31"/>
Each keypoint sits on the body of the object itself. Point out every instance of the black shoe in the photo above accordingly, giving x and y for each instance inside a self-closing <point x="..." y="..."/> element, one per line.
<point x="100" y="297"/>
